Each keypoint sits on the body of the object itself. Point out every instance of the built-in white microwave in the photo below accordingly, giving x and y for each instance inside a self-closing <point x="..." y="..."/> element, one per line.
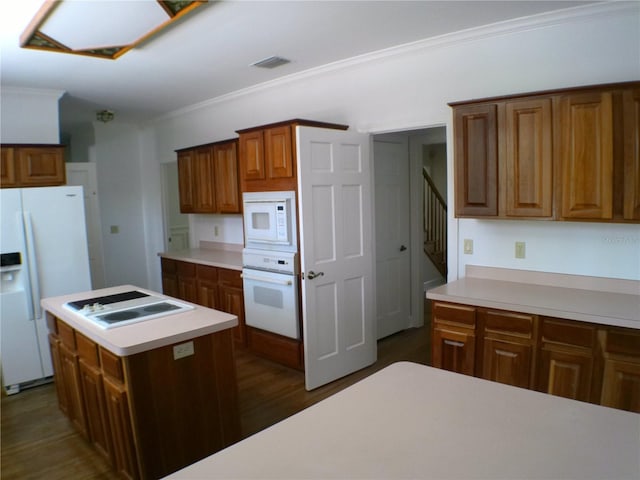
<point x="270" y="220"/>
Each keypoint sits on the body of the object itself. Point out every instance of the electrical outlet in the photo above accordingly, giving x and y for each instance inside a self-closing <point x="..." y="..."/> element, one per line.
<point x="216" y="230"/>
<point x="520" y="250"/>
<point x="114" y="229"/>
<point x="182" y="350"/>
<point x="468" y="246"/>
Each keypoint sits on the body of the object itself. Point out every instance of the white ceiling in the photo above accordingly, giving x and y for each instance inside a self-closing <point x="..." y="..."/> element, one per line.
<point x="207" y="54"/>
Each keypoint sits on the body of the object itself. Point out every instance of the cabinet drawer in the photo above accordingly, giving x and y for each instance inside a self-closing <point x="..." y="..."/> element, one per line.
<point x="111" y="365"/>
<point x="228" y="277"/>
<point x="510" y="323"/>
<point x="168" y="265"/>
<point x="567" y="333"/>
<point x="88" y="350"/>
<point x="623" y="342"/>
<point x="453" y="313"/>
<point x="208" y="273"/>
<point x="66" y="334"/>
<point x="186" y="269"/>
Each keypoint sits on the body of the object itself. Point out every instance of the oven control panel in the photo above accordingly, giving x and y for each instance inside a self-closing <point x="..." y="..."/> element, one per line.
<point x="285" y="262"/>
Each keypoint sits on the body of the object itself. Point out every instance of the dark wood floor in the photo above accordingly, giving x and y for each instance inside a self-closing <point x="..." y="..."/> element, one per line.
<point x="38" y="442"/>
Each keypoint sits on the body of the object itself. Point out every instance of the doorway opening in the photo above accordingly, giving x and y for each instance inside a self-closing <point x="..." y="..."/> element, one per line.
<point x="410" y="173"/>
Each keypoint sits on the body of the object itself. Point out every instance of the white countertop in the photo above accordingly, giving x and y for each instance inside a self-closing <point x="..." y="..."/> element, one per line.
<point x="213" y="257"/>
<point x="145" y="335"/>
<point x="554" y="299"/>
<point x="412" y="421"/>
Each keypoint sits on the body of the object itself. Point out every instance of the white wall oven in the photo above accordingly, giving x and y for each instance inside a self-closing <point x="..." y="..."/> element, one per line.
<point x="270" y="220"/>
<point x="270" y="281"/>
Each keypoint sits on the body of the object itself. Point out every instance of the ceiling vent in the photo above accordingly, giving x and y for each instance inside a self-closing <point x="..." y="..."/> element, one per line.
<point x="270" y="62"/>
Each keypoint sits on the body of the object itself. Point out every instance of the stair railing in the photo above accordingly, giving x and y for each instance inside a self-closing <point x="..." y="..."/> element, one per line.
<point x="435" y="224"/>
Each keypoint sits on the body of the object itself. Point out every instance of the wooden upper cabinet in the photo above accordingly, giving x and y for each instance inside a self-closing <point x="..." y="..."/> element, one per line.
<point x="208" y="178"/>
<point x="32" y="166"/>
<point x="631" y="112"/>
<point x="585" y="126"/>
<point x="476" y="160"/>
<point x="526" y="179"/>
<point x="225" y="158"/>
<point x="267" y="155"/>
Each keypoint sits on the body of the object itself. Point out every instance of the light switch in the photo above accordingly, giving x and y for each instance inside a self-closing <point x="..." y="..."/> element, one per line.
<point x="114" y="229"/>
<point x="468" y="246"/>
<point x="520" y="250"/>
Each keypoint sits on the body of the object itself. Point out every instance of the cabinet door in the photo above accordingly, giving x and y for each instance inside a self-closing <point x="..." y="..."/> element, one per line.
<point x="226" y="178"/>
<point x="527" y="184"/>
<point x="278" y="153"/>
<point x="8" y="177"/>
<point x="61" y="390"/>
<point x="185" y="186"/>
<point x="169" y="277"/>
<point x="203" y="181"/>
<point x="251" y="148"/>
<point x="124" y="455"/>
<point x="621" y="386"/>
<point x="73" y="391"/>
<point x="231" y="300"/>
<point x="631" y="109"/>
<point x="507" y="362"/>
<point x="41" y="166"/>
<point x="97" y="419"/>
<point x="586" y="155"/>
<point x="187" y="282"/>
<point x="207" y="286"/>
<point x="476" y="160"/>
<point x="454" y="349"/>
<point x="565" y="372"/>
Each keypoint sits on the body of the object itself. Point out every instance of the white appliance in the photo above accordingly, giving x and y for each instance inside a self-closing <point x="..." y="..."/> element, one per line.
<point x="125" y="308"/>
<point x="270" y="281"/>
<point x="270" y="220"/>
<point x="43" y="247"/>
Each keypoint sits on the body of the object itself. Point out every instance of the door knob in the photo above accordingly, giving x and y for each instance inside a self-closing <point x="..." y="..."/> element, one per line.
<point x="402" y="248"/>
<point x="311" y="275"/>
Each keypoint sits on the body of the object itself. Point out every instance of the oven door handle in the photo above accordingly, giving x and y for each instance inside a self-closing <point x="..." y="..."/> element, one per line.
<point x="258" y="278"/>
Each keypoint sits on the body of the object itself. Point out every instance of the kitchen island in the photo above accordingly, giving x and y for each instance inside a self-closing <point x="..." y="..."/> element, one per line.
<point x="414" y="421"/>
<point x="152" y="396"/>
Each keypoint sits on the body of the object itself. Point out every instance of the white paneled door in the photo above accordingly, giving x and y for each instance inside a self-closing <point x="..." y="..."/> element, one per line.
<point x="336" y="236"/>
<point x="393" y="247"/>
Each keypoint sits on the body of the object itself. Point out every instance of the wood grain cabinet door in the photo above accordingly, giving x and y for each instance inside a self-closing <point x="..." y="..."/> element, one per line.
<point x="631" y="109"/>
<point x="70" y="371"/>
<point x="251" y="150"/>
<point x="97" y="419"/>
<point x="527" y="180"/>
<point x="203" y="181"/>
<point x="226" y="177"/>
<point x="507" y="362"/>
<point x="8" y="176"/>
<point x="41" y="166"/>
<point x="586" y="155"/>
<point x="124" y="454"/>
<point x="454" y="349"/>
<point x="185" y="185"/>
<point x="231" y="300"/>
<point x="278" y="152"/>
<point x="476" y="160"/>
<point x="621" y="387"/>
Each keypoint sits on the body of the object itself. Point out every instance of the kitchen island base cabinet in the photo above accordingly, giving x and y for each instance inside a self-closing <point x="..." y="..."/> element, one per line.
<point x="149" y="413"/>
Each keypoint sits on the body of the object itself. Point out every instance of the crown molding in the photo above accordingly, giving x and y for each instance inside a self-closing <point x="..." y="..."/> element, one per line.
<point x="542" y="20"/>
<point x="45" y="92"/>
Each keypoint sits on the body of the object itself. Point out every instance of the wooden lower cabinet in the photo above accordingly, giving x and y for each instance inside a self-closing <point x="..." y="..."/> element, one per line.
<point x="454" y="337"/>
<point x="231" y="300"/>
<point x="148" y="414"/>
<point x="572" y="359"/>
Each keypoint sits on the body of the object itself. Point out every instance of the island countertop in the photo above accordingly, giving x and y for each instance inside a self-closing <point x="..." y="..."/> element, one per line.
<point x="601" y="301"/>
<point x="414" y="421"/>
<point x="145" y="335"/>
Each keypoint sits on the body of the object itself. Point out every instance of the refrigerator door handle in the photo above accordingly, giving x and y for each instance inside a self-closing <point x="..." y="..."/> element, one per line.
<point x="33" y="267"/>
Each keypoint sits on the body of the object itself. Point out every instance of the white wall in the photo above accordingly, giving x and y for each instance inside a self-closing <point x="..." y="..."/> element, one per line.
<point x="122" y="200"/>
<point x="410" y="89"/>
<point x="29" y="115"/>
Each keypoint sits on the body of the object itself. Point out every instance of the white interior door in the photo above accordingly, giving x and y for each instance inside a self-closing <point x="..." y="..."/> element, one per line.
<point x="176" y="223"/>
<point x="393" y="235"/>
<point x="84" y="173"/>
<point x="336" y="236"/>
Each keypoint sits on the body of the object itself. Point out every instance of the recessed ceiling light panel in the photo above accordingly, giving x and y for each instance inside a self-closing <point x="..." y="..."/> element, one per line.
<point x="270" y="62"/>
<point x="102" y="28"/>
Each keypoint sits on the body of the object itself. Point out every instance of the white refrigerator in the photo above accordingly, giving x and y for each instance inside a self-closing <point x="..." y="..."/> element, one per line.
<point x="43" y="253"/>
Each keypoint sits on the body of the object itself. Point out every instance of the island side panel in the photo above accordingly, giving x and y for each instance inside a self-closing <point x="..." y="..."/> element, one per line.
<point x="184" y="408"/>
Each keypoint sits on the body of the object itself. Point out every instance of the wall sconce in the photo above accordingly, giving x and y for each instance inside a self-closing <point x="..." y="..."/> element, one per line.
<point x="105" y="116"/>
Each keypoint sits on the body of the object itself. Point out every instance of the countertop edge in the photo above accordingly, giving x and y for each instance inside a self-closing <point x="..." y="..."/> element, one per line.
<point x="214" y="258"/>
